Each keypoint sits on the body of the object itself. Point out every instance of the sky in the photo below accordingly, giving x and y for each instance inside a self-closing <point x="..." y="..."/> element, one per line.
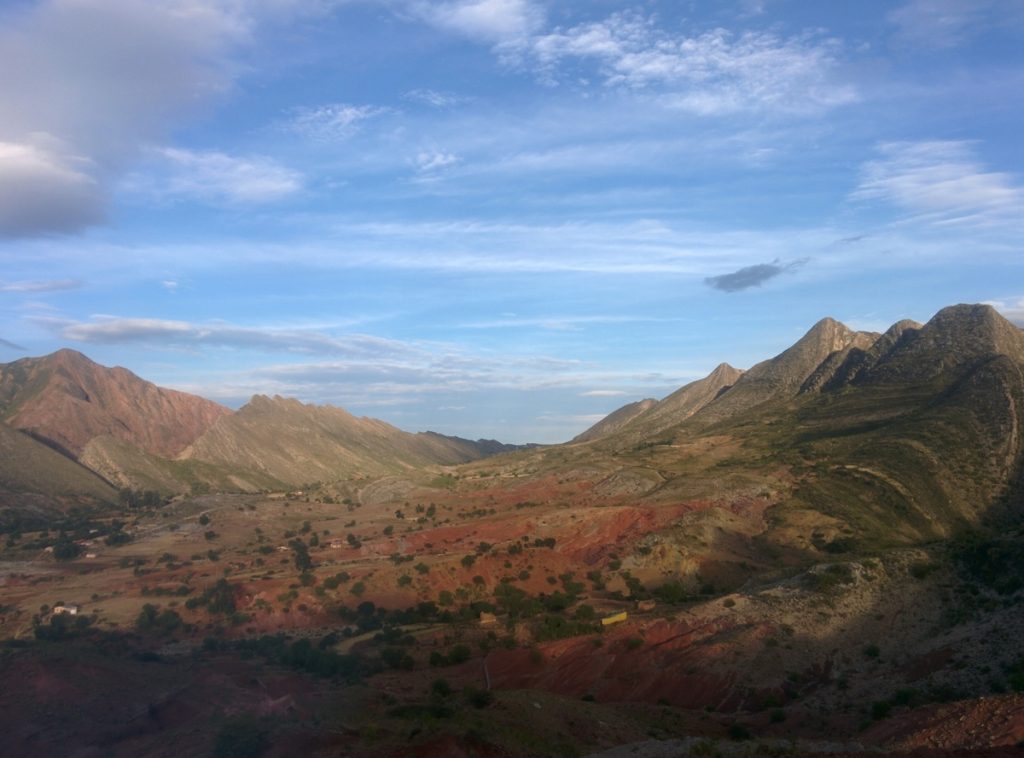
<point x="496" y="218"/>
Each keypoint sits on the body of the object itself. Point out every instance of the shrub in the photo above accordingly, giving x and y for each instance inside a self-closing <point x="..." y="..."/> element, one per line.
<point x="478" y="698"/>
<point x="441" y="688"/>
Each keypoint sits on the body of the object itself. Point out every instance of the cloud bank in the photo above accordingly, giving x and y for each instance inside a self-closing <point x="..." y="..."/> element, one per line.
<point x="87" y="84"/>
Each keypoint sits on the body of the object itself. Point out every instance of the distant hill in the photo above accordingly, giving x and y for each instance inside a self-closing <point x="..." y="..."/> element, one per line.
<point x="285" y="441"/>
<point x="135" y="434"/>
<point x="649" y="417"/>
<point x="67" y="400"/>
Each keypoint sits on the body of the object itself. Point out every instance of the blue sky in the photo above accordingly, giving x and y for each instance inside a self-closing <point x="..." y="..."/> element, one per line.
<point x="496" y="218"/>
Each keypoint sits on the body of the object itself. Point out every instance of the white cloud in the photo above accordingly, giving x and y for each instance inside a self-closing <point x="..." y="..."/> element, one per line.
<point x="177" y="334"/>
<point x="41" y="285"/>
<point x="86" y="84"/>
<point x="489" y="21"/>
<point x="214" y="176"/>
<point x="435" y="160"/>
<point x="435" y="98"/>
<point x="603" y="393"/>
<point x="331" y="122"/>
<point x="713" y="73"/>
<point x="942" y="183"/>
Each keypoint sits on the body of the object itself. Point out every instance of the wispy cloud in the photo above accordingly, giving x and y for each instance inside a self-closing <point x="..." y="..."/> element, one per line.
<point x="183" y="334"/>
<point x="212" y="176"/>
<point x="331" y="122"/>
<point x="488" y="21"/>
<point x="950" y="23"/>
<point x="941" y="183"/>
<point x="751" y="276"/>
<point x="603" y="393"/>
<point x="41" y="285"/>
<point x="715" y="73"/>
<point x="435" y="98"/>
<point x="10" y="345"/>
<point x="429" y="161"/>
<point x="559" y="323"/>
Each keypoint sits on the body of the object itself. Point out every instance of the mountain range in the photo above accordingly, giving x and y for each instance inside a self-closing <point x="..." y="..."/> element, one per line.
<point x="826" y="546"/>
<point x="924" y="419"/>
<point x="69" y="420"/>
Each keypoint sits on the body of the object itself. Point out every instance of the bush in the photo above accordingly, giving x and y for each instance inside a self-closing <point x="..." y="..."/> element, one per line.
<point x="478" y="698"/>
<point x="441" y="688"/>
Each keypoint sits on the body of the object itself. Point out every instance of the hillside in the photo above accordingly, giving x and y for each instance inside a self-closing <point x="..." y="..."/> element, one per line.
<point x="67" y="400"/>
<point x="615" y="420"/>
<point x="288" y="442"/>
<point x="649" y="418"/>
<point x="851" y="440"/>
<point x="27" y="466"/>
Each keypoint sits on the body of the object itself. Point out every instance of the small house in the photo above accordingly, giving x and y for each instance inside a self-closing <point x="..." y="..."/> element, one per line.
<point x="487" y="619"/>
<point x="71" y="610"/>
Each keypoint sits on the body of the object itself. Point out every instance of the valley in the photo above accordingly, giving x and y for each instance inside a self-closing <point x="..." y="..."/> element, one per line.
<point x="819" y="555"/>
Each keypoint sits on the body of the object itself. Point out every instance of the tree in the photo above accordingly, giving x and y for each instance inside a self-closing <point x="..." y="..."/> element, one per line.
<point x="301" y="555"/>
<point x="65" y="549"/>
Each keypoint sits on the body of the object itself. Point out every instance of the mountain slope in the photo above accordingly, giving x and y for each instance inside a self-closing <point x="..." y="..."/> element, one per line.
<point x="67" y="400"/>
<point x="27" y="466"/>
<point x="783" y="376"/>
<point x="615" y="420"/>
<point x="293" y="443"/>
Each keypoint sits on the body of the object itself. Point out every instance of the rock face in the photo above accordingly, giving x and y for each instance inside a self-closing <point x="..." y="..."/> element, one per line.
<point x="66" y="400"/>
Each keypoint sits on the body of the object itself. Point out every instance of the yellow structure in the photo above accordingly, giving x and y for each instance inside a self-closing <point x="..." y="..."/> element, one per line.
<point x="615" y="618"/>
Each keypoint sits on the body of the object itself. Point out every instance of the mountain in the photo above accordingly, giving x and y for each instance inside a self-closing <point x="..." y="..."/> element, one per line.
<point x="615" y="420"/>
<point x="275" y="440"/>
<point x="66" y="400"/>
<point x="782" y="377"/>
<point x="851" y="438"/>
